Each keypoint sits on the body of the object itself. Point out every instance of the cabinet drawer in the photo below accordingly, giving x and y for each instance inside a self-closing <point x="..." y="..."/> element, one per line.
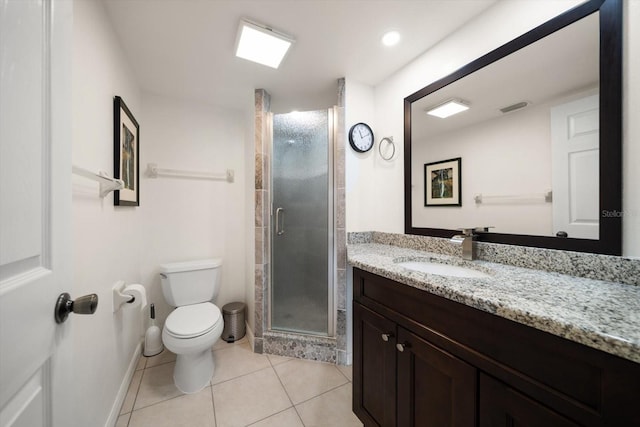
<point x="500" y="405"/>
<point x="583" y="383"/>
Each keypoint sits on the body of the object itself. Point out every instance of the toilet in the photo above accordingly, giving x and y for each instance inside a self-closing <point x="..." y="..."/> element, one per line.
<point x="196" y="324"/>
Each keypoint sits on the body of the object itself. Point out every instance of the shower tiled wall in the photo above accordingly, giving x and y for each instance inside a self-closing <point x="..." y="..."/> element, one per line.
<point x="328" y="349"/>
<point x="262" y="223"/>
<point x="340" y="229"/>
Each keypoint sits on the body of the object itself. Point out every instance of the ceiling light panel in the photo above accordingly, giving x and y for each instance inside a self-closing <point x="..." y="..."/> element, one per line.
<point x="449" y="108"/>
<point x="391" y="38"/>
<point x="262" y="44"/>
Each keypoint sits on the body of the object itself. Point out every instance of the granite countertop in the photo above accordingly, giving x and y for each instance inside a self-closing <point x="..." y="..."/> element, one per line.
<point x="600" y="314"/>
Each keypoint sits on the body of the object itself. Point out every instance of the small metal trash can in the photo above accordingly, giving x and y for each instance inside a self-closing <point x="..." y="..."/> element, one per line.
<point x="233" y="316"/>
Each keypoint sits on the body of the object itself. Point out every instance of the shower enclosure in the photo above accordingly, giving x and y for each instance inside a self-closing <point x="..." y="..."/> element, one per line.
<point x="302" y="223"/>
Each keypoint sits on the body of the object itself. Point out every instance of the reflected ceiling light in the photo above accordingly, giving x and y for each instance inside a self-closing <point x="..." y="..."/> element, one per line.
<point x="261" y="44"/>
<point x="391" y="38"/>
<point x="449" y="108"/>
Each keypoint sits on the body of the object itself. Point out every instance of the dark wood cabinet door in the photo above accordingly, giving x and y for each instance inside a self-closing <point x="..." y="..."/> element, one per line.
<point x="435" y="388"/>
<point x="502" y="406"/>
<point x="374" y="368"/>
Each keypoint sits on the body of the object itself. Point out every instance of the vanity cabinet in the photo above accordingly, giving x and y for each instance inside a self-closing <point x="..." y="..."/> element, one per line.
<point x="422" y="360"/>
<point x="432" y="386"/>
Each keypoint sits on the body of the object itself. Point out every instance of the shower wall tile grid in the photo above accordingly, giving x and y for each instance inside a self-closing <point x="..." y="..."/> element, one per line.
<point x="327" y="349"/>
<point x="342" y="357"/>
<point x="262" y="197"/>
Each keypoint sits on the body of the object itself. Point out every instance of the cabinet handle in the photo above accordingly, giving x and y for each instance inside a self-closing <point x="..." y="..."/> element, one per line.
<point x="385" y="337"/>
<point x="402" y="346"/>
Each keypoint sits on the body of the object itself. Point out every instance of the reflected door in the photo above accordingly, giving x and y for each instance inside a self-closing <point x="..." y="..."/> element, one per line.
<point x="302" y="213"/>
<point x="575" y="137"/>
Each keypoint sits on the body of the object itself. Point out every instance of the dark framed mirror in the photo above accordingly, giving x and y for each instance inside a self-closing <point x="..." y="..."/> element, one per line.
<point x="540" y="144"/>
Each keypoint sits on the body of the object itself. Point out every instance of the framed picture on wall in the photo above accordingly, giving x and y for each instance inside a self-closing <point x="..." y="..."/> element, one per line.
<point x="126" y="154"/>
<point x="442" y="183"/>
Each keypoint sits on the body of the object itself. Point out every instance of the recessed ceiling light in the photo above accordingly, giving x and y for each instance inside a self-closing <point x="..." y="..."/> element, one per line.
<point x="449" y="108"/>
<point x="261" y="44"/>
<point x="391" y="38"/>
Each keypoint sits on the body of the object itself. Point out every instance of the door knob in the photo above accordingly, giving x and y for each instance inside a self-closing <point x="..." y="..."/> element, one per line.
<point x="83" y="305"/>
<point x="385" y="337"/>
<point x="402" y="346"/>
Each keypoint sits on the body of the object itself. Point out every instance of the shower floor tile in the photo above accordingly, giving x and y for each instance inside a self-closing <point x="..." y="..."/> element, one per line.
<point x="250" y="390"/>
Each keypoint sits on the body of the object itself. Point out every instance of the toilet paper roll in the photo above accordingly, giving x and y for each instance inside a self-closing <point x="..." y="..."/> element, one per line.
<point x="140" y="294"/>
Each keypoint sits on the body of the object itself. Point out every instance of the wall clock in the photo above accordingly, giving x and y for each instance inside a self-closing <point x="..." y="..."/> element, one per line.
<point x="361" y="137"/>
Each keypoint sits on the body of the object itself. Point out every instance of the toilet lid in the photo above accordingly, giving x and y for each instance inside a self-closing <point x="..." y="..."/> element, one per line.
<point x="192" y="320"/>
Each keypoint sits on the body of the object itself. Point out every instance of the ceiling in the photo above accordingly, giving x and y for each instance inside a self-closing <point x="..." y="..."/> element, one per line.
<point x="561" y="65"/>
<point x="185" y="48"/>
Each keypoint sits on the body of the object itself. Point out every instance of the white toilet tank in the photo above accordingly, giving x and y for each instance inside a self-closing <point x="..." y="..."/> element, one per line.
<point x="190" y="282"/>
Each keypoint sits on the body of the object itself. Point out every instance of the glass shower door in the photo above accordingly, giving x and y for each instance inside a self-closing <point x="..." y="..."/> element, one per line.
<point x="302" y="214"/>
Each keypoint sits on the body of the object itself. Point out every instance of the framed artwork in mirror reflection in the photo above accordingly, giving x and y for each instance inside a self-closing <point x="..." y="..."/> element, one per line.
<point x="443" y="183"/>
<point x="126" y="154"/>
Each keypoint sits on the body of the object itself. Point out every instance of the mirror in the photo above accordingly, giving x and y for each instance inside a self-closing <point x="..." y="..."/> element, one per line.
<point x="537" y="154"/>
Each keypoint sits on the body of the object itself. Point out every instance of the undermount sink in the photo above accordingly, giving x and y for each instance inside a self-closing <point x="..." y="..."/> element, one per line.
<point x="443" y="269"/>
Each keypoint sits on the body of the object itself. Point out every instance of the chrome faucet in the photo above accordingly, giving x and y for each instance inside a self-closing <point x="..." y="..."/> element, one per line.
<point x="466" y="240"/>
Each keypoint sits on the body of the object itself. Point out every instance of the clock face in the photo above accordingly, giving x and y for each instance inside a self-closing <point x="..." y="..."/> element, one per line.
<point x="361" y="137"/>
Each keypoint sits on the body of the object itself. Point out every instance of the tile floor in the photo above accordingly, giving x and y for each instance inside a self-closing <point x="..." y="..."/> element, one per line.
<point x="247" y="389"/>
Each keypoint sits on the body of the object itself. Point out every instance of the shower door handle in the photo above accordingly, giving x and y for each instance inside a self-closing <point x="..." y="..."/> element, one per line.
<point x="279" y="223"/>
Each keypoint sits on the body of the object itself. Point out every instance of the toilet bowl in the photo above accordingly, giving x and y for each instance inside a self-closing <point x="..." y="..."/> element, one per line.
<point x="190" y="332"/>
<point x="192" y="329"/>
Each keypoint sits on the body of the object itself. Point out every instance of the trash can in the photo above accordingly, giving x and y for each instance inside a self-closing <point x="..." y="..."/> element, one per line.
<point x="233" y="316"/>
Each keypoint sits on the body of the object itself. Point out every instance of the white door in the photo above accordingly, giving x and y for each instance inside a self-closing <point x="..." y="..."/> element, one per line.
<point x="575" y="136"/>
<point x="35" y="211"/>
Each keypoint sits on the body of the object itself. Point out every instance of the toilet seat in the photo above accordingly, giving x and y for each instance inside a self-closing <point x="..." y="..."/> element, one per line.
<point x="191" y="321"/>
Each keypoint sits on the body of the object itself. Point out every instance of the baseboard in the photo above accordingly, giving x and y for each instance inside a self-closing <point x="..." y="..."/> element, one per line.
<point x="124" y="387"/>
<point x="250" y="336"/>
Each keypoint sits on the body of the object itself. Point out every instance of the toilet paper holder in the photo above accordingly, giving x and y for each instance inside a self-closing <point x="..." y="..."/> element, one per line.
<point x="120" y="298"/>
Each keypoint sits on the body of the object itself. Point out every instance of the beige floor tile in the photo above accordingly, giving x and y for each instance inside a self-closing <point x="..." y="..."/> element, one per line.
<point x="123" y="420"/>
<point x="329" y="410"/>
<point x="304" y="379"/>
<point x="347" y="371"/>
<point x="165" y="357"/>
<point x="130" y="398"/>
<point x="288" y="418"/>
<point x="156" y="385"/>
<point x="220" y="344"/>
<point x="276" y="360"/>
<point x="190" y="410"/>
<point x="142" y="363"/>
<point x="236" y="360"/>
<point x="249" y="398"/>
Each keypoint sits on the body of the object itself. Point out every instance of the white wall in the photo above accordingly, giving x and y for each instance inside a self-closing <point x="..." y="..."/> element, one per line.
<point x="107" y="239"/>
<point x="496" y="26"/>
<point x="178" y="219"/>
<point x="186" y="219"/>
<point x="484" y="148"/>
<point x="359" y="167"/>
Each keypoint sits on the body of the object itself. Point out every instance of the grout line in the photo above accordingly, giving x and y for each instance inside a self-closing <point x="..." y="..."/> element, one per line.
<point x="240" y="376"/>
<point x="213" y="405"/>
<point x="272" y="415"/>
<point x="133" y="405"/>
<point x="343" y="374"/>
<point x="128" y="418"/>
<point x="154" y="403"/>
<point x="287" y="393"/>
<point x="281" y="363"/>
<point x="324" y="392"/>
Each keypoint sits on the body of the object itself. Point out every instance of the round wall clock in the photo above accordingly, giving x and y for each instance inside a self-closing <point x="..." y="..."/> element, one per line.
<point x="361" y="137"/>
